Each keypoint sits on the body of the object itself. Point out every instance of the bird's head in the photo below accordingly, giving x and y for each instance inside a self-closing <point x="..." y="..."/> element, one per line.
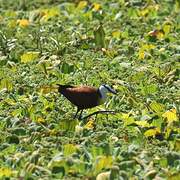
<point x="104" y="89"/>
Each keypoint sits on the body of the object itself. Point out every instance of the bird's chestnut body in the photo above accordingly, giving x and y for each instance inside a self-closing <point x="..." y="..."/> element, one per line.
<point x="85" y="97"/>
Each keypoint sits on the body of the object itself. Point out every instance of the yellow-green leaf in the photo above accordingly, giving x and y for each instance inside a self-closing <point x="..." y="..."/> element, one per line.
<point x="157" y="107"/>
<point x="23" y="22"/>
<point x="89" y="125"/>
<point x="1" y="18"/>
<point x="175" y="176"/>
<point x="177" y="6"/>
<point x="125" y="115"/>
<point x="69" y="149"/>
<point x="48" y="89"/>
<point x="177" y="145"/>
<point x="10" y="102"/>
<point x="127" y="119"/>
<point x="143" y="49"/>
<point x="170" y="115"/>
<point x="40" y="120"/>
<point x="103" y="162"/>
<point x="5" y="172"/>
<point x="168" y="132"/>
<point x="68" y="125"/>
<point x="144" y="12"/>
<point x="96" y="6"/>
<point x="82" y="4"/>
<point x="12" y="24"/>
<point x="10" y="13"/>
<point x="29" y="56"/>
<point x="148" y="46"/>
<point x="116" y="34"/>
<point x="149" y="89"/>
<point x="152" y="132"/>
<point x="6" y="84"/>
<point x="142" y="123"/>
<point x="49" y="13"/>
<point x="141" y="54"/>
<point x="166" y="28"/>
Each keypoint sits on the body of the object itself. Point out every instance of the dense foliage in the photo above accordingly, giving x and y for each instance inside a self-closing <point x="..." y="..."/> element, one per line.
<point x="132" y="45"/>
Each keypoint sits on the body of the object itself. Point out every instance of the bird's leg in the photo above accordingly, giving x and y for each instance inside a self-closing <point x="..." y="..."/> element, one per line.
<point x="76" y="113"/>
<point x="80" y="115"/>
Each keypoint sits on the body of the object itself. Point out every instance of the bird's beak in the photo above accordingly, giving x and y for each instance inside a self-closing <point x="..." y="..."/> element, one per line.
<point x="113" y="91"/>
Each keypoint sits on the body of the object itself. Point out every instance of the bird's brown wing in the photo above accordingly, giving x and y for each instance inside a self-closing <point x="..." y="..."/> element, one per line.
<point x="83" y="97"/>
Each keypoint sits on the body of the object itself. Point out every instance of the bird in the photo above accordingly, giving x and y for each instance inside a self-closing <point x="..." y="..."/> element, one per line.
<point x="84" y="97"/>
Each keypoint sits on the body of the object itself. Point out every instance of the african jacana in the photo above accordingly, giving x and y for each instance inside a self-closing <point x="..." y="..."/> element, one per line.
<point x="85" y="97"/>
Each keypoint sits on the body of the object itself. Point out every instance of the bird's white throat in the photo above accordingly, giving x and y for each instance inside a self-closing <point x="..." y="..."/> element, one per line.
<point x="103" y="91"/>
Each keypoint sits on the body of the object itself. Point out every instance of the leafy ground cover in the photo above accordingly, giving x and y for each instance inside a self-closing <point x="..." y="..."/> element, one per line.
<point x="132" y="45"/>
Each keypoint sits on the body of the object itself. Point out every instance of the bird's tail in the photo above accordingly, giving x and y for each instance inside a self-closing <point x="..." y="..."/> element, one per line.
<point x="61" y="87"/>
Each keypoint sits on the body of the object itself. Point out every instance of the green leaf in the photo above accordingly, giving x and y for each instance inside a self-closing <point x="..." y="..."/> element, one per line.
<point x="12" y="139"/>
<point x="126" y="164"/>
<point x="157" y="122"/>
<point x="3" y="60"/>
<point x="99" y="36"/>
<point x="149" y="89"/>
<point x="138" y="77"/>
<point x="96" y="151"/>
<point x="17" y="112"/>
<point x="67" y="68"/>
<point x="163" y="162"/>
<point x="19" y="131"/>
<point x="177" y="6"/>
<point x="59" y="169"/>
<point x="58" y="165"/>
<point x="172" y="156"/>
